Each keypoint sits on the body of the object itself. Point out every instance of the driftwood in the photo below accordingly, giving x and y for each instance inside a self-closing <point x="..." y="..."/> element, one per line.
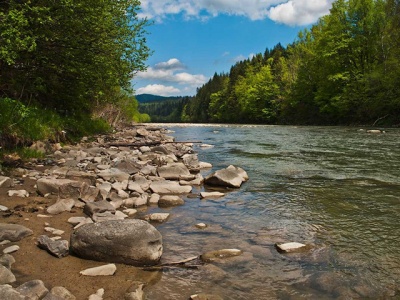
<point x="152" y="143"/>
<point x="176" y="264"/>
<point x="381" y="118"/>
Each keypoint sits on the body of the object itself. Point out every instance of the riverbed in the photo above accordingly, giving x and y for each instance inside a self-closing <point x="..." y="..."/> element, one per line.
<point x="335" y="188"/>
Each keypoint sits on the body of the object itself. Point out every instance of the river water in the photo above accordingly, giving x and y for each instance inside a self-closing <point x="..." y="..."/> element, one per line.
<point x="335" y="188"/>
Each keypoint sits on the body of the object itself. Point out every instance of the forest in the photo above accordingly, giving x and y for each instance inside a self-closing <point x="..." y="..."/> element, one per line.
<point x="162" y="109"/>
<point x="344" y="70"/>
<point x="66" y="67"/>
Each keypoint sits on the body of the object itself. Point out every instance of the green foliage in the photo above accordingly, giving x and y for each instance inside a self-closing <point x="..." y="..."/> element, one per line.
<point x="61" y="60"/>
<point x="163" y="109"/>
<point x="343" y="70"/>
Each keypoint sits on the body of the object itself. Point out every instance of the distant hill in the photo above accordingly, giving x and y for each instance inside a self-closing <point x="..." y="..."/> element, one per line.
<point x="162" y="109"/>
<point x="145" y="98"/>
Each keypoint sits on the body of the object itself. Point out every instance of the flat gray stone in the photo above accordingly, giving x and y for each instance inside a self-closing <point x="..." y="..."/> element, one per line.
<point x="11" y="249"/>
<point x="106" y="270"/>
<point x="34" y="289"/>
<point x="7" y="260"/>
<point x="170" y="200"/>
<point x="58" y="248"/>
<point x="113" y="174"/>
<point x="218" y="255"/>
<point x="7" y="292"/>
<point x="128" y="241"/>
<point x="13" y="232"/>
<point x="157" y="217"/>
<point x="6" y="276"/>
<point x="290" y="247"/>
<point x="62" y="292"/>
<point x="173" y="171"/>
<point x="211" y="194"/>
<point x="169" y="187"/>
<point x="61" y="206"/>
<point x="5" y="182"/>
<point x="98" y="207"/>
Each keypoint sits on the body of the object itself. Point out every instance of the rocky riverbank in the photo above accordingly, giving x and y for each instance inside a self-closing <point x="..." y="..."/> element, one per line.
<point x="80" y="206"/>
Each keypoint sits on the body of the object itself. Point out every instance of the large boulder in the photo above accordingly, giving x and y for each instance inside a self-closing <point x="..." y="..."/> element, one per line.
<point x="229" y="177"/>
<point x="13" y="232"/>
<point x="129" y="241"/>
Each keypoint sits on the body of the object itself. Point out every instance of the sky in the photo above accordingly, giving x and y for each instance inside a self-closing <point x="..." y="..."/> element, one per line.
<point x="193" y="39"/>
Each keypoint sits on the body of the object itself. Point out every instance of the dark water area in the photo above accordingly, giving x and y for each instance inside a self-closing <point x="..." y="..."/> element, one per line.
<point x="336" y="188"/>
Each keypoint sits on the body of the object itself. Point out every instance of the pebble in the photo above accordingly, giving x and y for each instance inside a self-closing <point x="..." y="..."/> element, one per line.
<point x="11" y="249"/>
<point x="105" y="270"/>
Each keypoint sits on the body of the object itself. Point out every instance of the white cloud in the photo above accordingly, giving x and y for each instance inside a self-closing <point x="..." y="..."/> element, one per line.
<point x="166" y="72"/>
<point x="158" y="89"/>
<point x="300" y="12"/>
<point x="292" y="12"/>
<point x="171" y="64"/>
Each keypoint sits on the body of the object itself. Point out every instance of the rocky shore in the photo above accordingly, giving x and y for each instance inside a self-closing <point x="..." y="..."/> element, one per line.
<point x="70" y="221"/>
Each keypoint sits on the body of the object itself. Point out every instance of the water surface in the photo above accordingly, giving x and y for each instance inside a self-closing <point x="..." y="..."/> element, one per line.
<point x="336" y="188"/>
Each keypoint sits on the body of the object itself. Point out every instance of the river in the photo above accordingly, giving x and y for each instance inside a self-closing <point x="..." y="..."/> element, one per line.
<point x="335" y="188"/>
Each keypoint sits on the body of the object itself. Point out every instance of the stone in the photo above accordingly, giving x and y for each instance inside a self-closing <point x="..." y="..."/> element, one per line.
<point x="191" y="161"/>
<point x="105" y="189"/>
<point x="3" y="208"/>
<point x="81" y="176"/>
<point x="205" y="165"/>
<point x="13" y="232"/>
<point x="18" y="193"/>
<point x="62" y="292"/>
<point x="154" y="198"/>
<point x="142" y="181"/>
<point x="198" y="180"/>
<point x="98" y="295"/>
<point x="120" y="185"/>
<point x="169" y="187"/>
<point x="130" y="212"/>
<point x="7" y="292"/>
<point x="173" y="171"/>
<point x="51" y="185"/>
<point x="136" y="201"/>
<point x="290" y="247"/>
<point x="135" y="291"/>
<point x="5" y="182"/>
<point x="57" y="248"/>
<point x="33" y="290"/>
<point x="129" y="167"/>
<point x="74" y="189"/>
<point x="220" y="254"/>
<point x="91" y="194"/>
<point x="203" y="296"/>
<point x="6" y="276"/>
<point x="11" y="249"/>
<point x="170" y="200"/>
<point x="86" y="221"/>
<point x="211" y="194"/>
<point x="201" y="225"/>
<point x="135" y="187"/>
<point x="106" y="270"/>
<point x="61" y="206"/>
<point x="148" y="170"/>
<point x="129" y="241"/>
<point x="157" y="217"/>
<point x="76" y="220"/>
<point x="53" y="230"/>
<point x="7" y="260"/>
<point x="374" y="131"/>
<point x="113" y="174"/>
<point x="106" y="216"/>
<point x="98" y="207"/>
<point x="228" y="177"/>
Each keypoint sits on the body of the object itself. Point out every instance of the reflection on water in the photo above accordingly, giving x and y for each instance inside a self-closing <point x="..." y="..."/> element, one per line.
<point x="335" y="188"/>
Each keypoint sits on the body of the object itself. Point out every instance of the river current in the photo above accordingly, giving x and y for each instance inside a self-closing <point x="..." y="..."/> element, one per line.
<point x="335" y="188"/>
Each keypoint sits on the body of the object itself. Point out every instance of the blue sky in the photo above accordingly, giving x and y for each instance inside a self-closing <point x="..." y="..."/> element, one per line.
<point x="193" y="39"/>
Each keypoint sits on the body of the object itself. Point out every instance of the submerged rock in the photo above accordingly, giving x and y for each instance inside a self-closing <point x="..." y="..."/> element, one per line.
<point x="290" y="247"/>
<point x="129" y="241"/>
<point x="220" y="254"/>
